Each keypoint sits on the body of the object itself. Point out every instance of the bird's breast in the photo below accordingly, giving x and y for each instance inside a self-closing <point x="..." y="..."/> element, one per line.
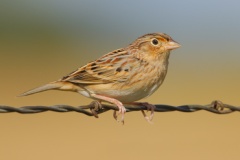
<point x="142" y="84"/>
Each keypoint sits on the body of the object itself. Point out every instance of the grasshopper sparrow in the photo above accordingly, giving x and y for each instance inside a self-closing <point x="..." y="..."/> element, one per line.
<point x="122" y="76"/>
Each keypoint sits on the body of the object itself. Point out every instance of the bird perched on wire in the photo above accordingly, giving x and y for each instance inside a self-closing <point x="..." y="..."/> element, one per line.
<point x="122" y="76"/>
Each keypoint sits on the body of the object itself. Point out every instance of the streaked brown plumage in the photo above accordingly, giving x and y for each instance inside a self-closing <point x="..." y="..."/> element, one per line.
<point x="125" y="75"/>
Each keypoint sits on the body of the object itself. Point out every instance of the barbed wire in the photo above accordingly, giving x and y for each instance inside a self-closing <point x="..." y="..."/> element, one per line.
<point x="95" y="108"/>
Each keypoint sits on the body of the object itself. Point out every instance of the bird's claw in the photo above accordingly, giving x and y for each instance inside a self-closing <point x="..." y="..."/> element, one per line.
<point x="151" y="108"/>
<point x="120" y="112"/>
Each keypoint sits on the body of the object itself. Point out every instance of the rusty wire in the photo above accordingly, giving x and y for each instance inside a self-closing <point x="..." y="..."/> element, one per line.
<point x="94" y="108"/>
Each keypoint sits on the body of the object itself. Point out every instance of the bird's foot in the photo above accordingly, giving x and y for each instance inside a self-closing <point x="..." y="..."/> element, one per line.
<point x="121" y="108"/>
<point x="150" y="107"/>
<point x="121" y="112"/>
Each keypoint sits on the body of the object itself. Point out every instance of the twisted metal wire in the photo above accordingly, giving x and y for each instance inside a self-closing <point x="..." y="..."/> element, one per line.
<point x="95" y="108"/>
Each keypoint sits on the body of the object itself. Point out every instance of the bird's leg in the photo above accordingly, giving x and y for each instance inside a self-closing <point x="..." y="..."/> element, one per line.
<point x="149" y="107"/>
<point x="119" y="104"/>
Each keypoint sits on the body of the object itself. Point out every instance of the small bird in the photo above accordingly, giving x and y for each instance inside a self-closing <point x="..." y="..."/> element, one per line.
<point x="122" y="76"/>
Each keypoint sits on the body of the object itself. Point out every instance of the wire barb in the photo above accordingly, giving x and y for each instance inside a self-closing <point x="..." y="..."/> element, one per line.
<point x="95" y="108"/>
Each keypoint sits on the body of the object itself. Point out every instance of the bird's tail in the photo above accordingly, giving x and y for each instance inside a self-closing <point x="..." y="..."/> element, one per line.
<point x="49" y="86"/>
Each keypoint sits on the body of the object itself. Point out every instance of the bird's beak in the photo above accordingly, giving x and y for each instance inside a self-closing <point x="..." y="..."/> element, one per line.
<point x="172" y="45"/>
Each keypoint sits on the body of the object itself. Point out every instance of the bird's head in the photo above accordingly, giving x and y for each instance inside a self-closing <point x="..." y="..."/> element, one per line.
<point x="154" y="44"/>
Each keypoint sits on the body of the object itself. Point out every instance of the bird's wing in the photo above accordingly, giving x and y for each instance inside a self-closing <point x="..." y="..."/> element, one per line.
<point x="115" y="66"/>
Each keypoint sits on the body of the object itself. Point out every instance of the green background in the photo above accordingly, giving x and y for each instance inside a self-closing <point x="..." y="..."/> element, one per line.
<point x="41" y="41"/>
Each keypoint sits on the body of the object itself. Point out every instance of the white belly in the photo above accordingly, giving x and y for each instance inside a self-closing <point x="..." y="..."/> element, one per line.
<point x="125" y="95"/>
<point x="127" y="91"/>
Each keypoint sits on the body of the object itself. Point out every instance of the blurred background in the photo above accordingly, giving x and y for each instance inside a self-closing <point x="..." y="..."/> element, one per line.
<point x="41" y="41"/>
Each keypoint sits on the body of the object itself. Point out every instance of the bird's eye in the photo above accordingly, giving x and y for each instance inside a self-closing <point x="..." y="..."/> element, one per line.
<point x="155" y="42"/>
